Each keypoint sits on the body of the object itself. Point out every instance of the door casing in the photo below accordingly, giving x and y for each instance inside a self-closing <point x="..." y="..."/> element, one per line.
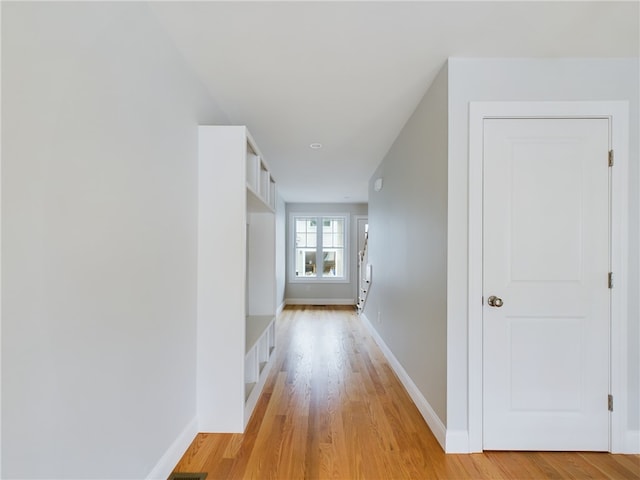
<point x="617" y="114"/>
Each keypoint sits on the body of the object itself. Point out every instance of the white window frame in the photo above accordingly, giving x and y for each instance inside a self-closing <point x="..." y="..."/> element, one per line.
<point x="292" y="247"/>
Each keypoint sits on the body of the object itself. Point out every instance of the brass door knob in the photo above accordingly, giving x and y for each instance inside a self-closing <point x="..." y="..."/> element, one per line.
<point x="494" y="301"/>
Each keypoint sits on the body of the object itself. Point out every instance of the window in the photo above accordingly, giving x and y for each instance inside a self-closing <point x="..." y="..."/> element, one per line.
<point x="319" y="247"/>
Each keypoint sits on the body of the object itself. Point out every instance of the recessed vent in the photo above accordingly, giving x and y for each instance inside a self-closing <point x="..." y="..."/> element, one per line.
<point x="187" y="476"/>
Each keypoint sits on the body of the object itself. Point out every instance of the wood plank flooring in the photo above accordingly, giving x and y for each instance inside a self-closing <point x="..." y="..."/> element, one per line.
<point x="332" y="408"/>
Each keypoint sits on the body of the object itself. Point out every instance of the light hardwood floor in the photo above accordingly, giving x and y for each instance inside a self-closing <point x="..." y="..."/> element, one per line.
<point x="333" y="408"/>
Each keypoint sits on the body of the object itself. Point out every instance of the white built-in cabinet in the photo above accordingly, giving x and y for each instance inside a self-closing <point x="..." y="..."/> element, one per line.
<point x="236" y="277"/>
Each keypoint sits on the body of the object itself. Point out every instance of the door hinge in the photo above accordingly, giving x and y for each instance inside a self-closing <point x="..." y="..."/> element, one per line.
<point x="610" y="279"/>
<point x="610" y="403"/>
<point x="611" y="158"/>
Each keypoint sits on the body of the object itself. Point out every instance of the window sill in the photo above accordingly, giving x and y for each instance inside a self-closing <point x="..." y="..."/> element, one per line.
<point x="318" y="280"/>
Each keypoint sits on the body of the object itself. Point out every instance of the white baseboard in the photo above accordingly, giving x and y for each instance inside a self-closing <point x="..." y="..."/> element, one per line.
<point x="281" y="307"/>
<point x="632" y="442"/>
<point x="427" y="412"/>
<point x="457" y="441"/>
<point x="174" y="453"/>
<point x="320" y="301"/>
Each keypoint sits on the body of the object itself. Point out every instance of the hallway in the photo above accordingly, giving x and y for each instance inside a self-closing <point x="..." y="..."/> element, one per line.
<point x="333" y="408"/>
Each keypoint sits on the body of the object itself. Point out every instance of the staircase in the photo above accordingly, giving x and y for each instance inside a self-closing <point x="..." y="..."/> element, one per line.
<point x="364" y="273"/>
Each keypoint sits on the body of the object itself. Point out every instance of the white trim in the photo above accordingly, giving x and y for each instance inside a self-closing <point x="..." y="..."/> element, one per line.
<point x="291" y="271"/>
<point x="427" y="412"/>
<point x="281" y="307"/>
<point x="320" y="301"/>
<point x="355" y="222"/>
<point x="457" y="441"/>
<point x="618" y="113"/>
<point x="174" y="453"/>
<point x="356" y="262"/>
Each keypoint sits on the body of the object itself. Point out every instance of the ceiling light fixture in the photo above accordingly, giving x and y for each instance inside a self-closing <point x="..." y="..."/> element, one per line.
<point x="316" y="146"/>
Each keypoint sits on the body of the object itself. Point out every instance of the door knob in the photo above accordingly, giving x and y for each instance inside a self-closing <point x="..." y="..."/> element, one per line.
<point x="494" y="301"/>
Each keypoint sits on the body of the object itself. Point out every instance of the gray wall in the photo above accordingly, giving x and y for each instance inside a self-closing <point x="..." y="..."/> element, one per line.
<point x="336" y="292"/>
<point x="408" y="247"/>
<point x="99" y="210"/>
<point x="529" y="80"/>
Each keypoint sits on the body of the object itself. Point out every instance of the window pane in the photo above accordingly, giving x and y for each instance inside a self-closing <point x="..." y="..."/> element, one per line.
<point x="299" y="262"/>
<point x="301" y="226"/>
<point x="310" y="264"/>
<point x="333" y="234"/>
<point x="329" y="263"/>
<point x="305" y="262"/>
<point x="333" y="263"/>
<point x="339" y="270"/>
<point x="311" y="239"/>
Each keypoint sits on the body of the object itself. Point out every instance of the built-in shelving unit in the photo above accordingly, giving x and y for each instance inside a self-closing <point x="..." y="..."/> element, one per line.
<point x="236" y="277"/>
<point x="260" y="183"/>
<point x="260" y="345"/>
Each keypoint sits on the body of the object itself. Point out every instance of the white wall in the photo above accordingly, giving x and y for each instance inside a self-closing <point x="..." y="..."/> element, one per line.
<point x="99" y="184"/>
<point x="281" y="250"/>
<point x="528" y="80"/>
<point x="408" y="247"/>
<point x="336" y="292"/>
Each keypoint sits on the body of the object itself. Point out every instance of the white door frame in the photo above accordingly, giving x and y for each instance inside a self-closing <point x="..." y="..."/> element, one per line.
<point x="356" y="219"/>
<point x="618" y="115"/>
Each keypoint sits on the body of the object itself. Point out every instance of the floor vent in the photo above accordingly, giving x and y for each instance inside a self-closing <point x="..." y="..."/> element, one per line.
<point x="187" y="476"/>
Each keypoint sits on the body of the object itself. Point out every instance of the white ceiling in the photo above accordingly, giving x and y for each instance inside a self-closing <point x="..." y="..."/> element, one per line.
<point x="349" y="74"/>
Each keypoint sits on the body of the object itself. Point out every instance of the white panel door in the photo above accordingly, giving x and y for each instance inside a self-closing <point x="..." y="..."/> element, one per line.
<point x="546" y="259"/>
